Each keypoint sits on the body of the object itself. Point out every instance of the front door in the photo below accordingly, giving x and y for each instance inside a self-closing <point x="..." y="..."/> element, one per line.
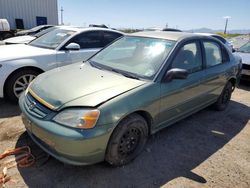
<point x="179" y="98"/>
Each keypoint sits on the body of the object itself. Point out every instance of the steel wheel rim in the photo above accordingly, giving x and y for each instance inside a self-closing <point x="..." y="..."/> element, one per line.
<point x="22" y="83"/>
<point x="129" y="142"/>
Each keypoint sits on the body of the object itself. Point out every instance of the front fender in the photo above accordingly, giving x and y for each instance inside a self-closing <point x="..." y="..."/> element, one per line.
<point x="41" y="62"/>
<point x="144" y="98"/>
<point x="10" y="66"/>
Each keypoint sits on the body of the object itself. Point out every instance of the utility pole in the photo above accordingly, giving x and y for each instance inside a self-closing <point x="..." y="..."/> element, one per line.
<point x="227" y="18"/>
<point x="62" y="16"/>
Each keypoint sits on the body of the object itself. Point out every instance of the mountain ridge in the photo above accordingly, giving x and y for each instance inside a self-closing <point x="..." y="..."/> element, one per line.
<point x="208" y="30"/>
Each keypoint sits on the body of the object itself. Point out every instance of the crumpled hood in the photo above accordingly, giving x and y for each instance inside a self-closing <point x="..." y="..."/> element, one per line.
<point x="79" y="85"/>
<point x="245" y="57"/>
<point x="19" y="51"/>
<point x="20" y="40"/>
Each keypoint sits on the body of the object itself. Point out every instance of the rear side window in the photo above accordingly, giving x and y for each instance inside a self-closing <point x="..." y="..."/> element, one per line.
<point x="109" y="37"/>
<point x="189" y="58"/>
<point x="213" y="54"/>
<point x="92" y="39"/>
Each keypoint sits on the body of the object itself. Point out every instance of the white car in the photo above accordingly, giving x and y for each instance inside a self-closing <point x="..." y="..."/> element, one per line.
<point x="19" y="40"/>
<point x="244" y="53"/>
<point x="21" y="63"/>
<point x="25" y="39"/>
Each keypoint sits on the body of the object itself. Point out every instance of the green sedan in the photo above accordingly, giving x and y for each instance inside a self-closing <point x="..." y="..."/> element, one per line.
<point x="107" y="107"/>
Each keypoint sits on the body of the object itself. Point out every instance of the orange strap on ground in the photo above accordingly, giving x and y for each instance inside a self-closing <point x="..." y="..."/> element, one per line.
<point x="24" y="158"/>
<point x="27" y="160"/>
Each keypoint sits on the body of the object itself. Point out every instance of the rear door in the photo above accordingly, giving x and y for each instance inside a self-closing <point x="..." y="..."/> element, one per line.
<point x="217" y="61"/>
<point x="90" y="43"/>
<point x="181" y="97"/>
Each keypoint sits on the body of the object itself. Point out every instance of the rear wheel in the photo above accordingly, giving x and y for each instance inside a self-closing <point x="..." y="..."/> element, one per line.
<point x="223" y="100"/>
<point x="18" y="83"/>
<point x="7" y="35"/>
<point x="127" y="140"/>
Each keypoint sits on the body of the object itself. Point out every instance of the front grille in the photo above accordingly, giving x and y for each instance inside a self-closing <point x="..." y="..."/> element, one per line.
<point x="246" y="66"/>
<point x="35" y="108"/>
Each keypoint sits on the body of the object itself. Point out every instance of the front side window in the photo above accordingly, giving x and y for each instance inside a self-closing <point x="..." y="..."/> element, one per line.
<point x="92" y="39"/>
<point x="44" y="31"/>
<point x="189" y="58"/>
<point x="138" y="56"/>
<point x="53" y="39"/>
<point x="212" y="53"/>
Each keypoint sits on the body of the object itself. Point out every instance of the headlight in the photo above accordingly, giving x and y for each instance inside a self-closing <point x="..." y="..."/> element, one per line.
<point x="78" y="118"/>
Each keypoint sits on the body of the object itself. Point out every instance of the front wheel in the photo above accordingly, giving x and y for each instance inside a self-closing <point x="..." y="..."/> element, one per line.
<point x="18" y="83"/>
<point x="224" y="98"/>
<point x="127" y="140"/>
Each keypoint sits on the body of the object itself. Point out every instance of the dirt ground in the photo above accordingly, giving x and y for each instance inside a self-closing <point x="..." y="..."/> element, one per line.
<point x="208" y="149"/>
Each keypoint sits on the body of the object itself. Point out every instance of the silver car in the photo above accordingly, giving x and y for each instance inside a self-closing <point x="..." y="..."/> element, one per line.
<point x="244" y="53"/>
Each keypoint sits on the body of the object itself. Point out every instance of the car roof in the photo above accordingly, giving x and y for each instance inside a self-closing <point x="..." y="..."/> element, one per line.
<point x="207" y="34"/>
<point x="176" y="36"/>
<point x="81" y="29"/>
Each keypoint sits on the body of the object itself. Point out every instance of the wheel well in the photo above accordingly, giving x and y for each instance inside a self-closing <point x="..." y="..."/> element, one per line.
<point x="147" y="117"/>
<point x="20" y="69"/>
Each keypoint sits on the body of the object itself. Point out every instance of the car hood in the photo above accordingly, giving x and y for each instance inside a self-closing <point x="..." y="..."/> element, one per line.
<point x="245" y="57"/>
<point x="20" y="40"/>
<point x="19" y="51"/>
<point x="79" y="85"/>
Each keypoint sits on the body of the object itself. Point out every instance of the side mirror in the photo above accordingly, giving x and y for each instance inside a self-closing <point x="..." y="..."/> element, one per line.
<point x="73" y="46"/>
<point x="233" y="50"/>
<point x="176" y="73"/>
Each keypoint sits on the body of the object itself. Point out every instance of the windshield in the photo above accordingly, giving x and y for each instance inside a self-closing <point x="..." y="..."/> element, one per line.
<point x="245" y="48"/>
<point x="34" y="29"/>
<point x="44" y="32"/>
<point x="52" y="39"/>
<point x="138" y="56"/>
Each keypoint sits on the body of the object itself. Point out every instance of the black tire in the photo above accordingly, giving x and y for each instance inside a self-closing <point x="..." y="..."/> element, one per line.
<point x="224" y="98"/>
<point x="7" y="35"/>
<point x="10" y="93"/>
<point x="133" y="130"/>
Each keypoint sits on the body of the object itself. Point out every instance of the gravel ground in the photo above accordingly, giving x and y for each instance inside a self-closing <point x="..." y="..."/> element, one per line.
<point x="207" y="149"/>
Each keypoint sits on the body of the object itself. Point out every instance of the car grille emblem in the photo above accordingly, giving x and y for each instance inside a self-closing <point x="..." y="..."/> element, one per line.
<point x="32" y="105"/>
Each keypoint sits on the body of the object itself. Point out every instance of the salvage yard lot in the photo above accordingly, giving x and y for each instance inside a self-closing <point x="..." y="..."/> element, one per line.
<point x="208" y="149"/>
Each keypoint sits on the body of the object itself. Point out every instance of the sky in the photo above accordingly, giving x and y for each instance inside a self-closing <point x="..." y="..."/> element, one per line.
<point x="181" y="14"/>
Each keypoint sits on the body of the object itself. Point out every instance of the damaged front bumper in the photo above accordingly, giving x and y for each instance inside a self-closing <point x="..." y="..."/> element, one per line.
<point x="69" y="145"/>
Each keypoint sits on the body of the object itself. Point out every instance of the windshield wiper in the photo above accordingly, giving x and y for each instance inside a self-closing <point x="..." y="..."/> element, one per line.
<point x="128" y="75"/>
<point x="93" y="64"/>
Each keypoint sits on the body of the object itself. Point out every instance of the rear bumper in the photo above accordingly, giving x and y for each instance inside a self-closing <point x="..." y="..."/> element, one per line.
<point x="245" y="73"/>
